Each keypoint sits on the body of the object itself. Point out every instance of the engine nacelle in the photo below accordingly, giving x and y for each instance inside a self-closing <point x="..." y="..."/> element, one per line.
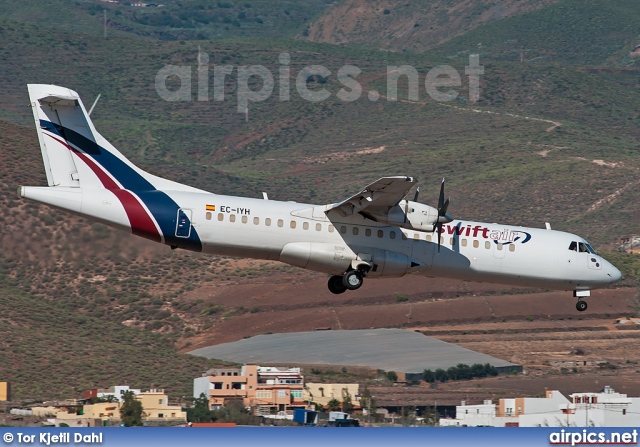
<point x="409" y="215"/>
<point x="393" y="264"/>
<point x="337" y="259"/>
<point x="320" y="257"/>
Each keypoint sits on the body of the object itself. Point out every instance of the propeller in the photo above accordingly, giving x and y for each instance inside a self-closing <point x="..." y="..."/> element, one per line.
<point x="443" y="217"/>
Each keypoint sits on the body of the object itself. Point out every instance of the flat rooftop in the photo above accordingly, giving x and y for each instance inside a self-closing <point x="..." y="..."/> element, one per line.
<point x="387" y="349"/>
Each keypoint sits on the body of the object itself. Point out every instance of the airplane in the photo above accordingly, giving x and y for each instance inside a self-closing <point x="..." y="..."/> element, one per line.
<point x="375" y="233"/>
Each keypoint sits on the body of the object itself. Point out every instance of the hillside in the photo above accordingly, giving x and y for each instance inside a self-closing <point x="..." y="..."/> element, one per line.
<point x="48" y="352"/>
<point x="570" y="31"/>
<point x="174" y="20"/>
<point x="413" y="26"/>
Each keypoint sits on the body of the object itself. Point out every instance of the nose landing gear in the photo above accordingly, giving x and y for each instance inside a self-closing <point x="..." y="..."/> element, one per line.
<point x="581" y="305"/>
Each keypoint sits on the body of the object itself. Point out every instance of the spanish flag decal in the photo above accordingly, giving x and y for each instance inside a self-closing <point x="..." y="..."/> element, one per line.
<point x="211" y="207"/>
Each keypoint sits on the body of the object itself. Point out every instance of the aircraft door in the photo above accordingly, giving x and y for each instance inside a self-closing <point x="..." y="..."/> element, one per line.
<point x="183" y="224"/>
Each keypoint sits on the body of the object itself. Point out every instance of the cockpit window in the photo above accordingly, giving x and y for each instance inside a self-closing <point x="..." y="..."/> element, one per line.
<point x="581" y="247"/>
<point x="591" y="250"/>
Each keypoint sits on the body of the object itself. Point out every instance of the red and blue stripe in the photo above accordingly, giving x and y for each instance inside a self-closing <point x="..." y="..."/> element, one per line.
<point x="131" y="189"/>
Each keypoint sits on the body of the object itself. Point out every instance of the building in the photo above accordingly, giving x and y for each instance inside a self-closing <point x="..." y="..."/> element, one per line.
<point x="5" y="391"/>
<point x="604" y="409"/>
<point x="155" y="404"/>
<point x="265" y="390"/>
<point x="155" y="407"/>
<point x="630" y="244"/>
<point x="113" y="393"/>
<point x="322" y="393"/>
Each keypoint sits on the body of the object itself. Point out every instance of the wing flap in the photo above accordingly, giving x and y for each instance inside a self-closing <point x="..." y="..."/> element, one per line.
<point x="386" y="192"/>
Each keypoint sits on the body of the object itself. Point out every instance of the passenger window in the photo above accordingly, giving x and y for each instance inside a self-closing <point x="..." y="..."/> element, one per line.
<point x="305" y="225"/>
<point x="428" y="238"/>
<point x="318" y="227"/>
<point x="487" y="245"/>
<point x="355" y="231"/>
<point x="267" y="222"/>
<point x="367" y="232"/>
<point x="392" y="234"/>
<point x="232" y="218"/>
<point x="499" y="246"/>
<point x="292" y="224"/>
<point x="476" y="244"/>
<point x="416" y="236"/>
<point x="343" y="229"/>
<point x="220" y="217"/>
<point x="280" y="223"/>
<point x="573" y="246"/>
<point x="380" y="233"/>
<point x="463" y="243"/>
<point x="208" y="216"/>
<point x="452" y="241"/>
<point x="256" y="220"/>
<point x="441" y="240"/>
<point x="331" y="228"/>
<point x="245" y="219"/>
<point x="512" y="247"/>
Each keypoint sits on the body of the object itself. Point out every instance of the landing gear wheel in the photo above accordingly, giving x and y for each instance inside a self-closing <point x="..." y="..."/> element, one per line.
<point x="581" y="306"/>
<point x="336" y="286"/>
<point x="352" y="280"/>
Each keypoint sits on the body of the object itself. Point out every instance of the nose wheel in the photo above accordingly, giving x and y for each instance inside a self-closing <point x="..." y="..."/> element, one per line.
<point x="581" y="305"/>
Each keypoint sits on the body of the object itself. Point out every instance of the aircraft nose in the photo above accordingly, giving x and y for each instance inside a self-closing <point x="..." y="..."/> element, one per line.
<point x="613" y="274"/>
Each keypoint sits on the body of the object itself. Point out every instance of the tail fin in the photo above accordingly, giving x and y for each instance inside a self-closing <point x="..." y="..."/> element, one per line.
<point x="75" y="154"/>
<point x="51" y="106"/>
<point x="86" y="174"/>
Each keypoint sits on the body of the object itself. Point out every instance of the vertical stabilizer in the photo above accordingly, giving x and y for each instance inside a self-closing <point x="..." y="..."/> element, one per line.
<point x="58" y="107"/>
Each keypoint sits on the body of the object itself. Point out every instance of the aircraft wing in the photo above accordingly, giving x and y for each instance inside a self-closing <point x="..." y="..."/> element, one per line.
<point x="386" y="192"/>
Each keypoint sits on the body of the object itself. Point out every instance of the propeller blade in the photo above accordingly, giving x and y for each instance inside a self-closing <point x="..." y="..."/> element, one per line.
<point x="441" y="198"/>
<point x="415" y="196"/>
<point x="443" y="210"/>
<point x="439" y="234"/>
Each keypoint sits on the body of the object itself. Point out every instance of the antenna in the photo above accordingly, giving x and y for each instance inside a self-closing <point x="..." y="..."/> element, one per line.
<point x="94" y="104"/>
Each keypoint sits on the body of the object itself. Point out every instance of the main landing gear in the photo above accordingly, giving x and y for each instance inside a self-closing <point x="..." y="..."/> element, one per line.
<point x="351" y="280"/>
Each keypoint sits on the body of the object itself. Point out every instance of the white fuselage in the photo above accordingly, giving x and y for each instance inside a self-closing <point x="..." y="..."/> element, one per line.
<point x="263" y="229"/>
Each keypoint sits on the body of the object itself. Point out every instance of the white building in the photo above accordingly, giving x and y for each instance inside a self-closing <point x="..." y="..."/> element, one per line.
<point x="605" y="409"/>
<point x="116" y="392"/>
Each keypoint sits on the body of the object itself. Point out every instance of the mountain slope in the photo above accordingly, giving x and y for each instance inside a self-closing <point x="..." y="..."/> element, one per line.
<point x="415" y="26"/>
<point x="48" y="352"/>
<point x="587" y="32"/>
